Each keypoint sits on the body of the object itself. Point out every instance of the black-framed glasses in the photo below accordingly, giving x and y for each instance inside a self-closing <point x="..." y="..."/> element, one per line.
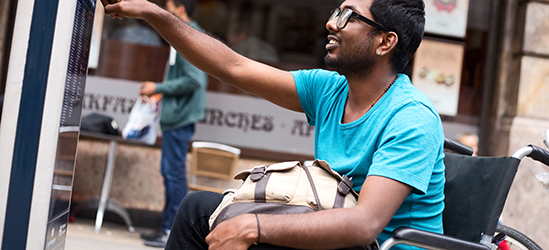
<point x="345" y="14"/>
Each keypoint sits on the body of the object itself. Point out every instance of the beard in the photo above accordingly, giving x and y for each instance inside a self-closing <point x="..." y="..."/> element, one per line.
<point x="357" y="60"/>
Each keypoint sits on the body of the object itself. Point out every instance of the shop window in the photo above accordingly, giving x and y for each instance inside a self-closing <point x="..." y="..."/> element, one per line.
<point x="130" y="49"/>
<point x="286" y="34"/>
<point x="474" y="60"/>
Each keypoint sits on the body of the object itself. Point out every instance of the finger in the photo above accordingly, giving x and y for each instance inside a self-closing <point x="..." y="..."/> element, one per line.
<point x="209" y="239"/>
<point x="111" y="8"/>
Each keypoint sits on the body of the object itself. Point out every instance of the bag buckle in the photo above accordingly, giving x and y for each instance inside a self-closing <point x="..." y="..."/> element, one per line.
<point x="345" y="185"/>
<point x="258" y="172"/>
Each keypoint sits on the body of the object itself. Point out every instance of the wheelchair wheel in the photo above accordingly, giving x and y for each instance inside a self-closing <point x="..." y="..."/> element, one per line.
<point x="515" y="240"/>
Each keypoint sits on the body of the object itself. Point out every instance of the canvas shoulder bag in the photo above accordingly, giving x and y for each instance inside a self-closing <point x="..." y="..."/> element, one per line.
<point x="287" y="188"/>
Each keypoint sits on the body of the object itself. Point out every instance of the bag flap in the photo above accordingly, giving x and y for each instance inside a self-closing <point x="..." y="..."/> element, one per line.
<point x="282" y="166"/>
<point x="324" y="165"/>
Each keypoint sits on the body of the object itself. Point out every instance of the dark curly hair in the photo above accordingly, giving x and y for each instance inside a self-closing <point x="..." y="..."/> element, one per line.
<point x="407" y="19"/>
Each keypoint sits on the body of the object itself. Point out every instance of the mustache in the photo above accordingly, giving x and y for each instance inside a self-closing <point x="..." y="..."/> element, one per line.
<point x="334" y="35"/>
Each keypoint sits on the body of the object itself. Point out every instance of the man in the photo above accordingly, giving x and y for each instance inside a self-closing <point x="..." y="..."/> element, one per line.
<point x="370" y="124"/>
<point x="183" y="103"/>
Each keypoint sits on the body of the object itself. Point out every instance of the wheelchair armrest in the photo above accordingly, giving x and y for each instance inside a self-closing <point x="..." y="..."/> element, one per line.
<point x="429" y="240"/>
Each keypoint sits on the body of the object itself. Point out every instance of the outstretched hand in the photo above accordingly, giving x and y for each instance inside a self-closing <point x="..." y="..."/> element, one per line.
<point x="126" y="8"/>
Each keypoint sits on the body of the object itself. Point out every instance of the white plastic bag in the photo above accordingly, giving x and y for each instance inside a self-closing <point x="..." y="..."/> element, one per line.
<point x="141" y="124"/>
<point x="544" y="179"/>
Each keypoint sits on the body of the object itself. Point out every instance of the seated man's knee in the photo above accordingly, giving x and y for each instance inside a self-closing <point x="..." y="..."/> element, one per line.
<point x="201" y="201"/>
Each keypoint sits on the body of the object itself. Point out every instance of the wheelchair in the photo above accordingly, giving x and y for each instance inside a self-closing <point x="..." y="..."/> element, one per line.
<point x="476" y="190"/>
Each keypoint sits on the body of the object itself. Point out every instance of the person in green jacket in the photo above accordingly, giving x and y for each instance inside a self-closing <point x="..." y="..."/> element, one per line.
<point x="183" y="103"/>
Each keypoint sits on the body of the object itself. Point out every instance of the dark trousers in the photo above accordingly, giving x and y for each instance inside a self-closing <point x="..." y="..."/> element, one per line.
<point x="174" y="154"/>
<point x="191" y="227"/>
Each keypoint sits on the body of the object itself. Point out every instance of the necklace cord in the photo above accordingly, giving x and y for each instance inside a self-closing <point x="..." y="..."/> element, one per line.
<point x="382" y="94"/>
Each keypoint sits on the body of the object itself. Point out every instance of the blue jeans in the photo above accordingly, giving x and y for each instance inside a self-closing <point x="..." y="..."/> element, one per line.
<point x="175" y="145"/>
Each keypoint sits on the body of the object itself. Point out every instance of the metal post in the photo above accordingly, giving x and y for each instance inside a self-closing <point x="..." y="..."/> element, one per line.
<point x="105" y="190"/>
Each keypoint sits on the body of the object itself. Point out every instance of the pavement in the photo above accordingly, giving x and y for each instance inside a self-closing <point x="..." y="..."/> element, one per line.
<point x="80" y="236"/>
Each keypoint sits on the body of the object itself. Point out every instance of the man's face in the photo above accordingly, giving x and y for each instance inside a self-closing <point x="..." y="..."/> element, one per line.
<point x="350" y="50"/>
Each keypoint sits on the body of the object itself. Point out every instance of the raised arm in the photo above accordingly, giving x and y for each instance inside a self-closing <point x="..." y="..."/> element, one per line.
<point x="212" y="56"/>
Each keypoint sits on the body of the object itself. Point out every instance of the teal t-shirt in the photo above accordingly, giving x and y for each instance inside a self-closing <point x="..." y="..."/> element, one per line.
<point x="401" y="138"/>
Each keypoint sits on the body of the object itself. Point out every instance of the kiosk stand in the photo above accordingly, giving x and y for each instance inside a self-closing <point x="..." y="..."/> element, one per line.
<point x="41" y="121"/>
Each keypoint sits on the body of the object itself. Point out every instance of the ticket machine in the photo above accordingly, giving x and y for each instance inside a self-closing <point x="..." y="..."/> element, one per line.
<point x="40" y="122"/>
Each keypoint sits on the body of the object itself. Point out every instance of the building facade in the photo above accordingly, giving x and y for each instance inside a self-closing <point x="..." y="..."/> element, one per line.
<point x="497" y="80"/>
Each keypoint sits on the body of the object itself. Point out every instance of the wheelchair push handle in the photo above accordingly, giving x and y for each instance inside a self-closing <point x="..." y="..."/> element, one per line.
<point x="539" y="154"/>
<point x="457" y="147"/>
<point x="534" y="152"/>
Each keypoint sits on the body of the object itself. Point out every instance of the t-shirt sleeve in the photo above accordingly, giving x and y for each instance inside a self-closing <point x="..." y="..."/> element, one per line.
<point x="407" y="152"/>
<point x="314" y="85"/>
<point x="304" y="85"/>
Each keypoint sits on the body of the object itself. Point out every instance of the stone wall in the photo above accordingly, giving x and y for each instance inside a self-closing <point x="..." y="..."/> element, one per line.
<point x="137" y="182"/>
<point x="533" y="96"/>
<point x="526" y="116"/>
<point x="527" y="206"/>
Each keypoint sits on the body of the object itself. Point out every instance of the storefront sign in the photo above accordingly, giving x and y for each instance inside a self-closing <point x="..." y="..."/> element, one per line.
<point x="437" y="73"/>
<point x="256" y="123"/>
<point x="110" y="97"/>
<point x="237" y="120"/>
<point x="446" y="17"/>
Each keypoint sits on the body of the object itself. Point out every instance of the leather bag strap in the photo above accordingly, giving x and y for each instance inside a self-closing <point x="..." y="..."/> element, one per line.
<point x="344" y="187"/>
<point x="261" y="188"/>
<point x="312" y="186"/>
